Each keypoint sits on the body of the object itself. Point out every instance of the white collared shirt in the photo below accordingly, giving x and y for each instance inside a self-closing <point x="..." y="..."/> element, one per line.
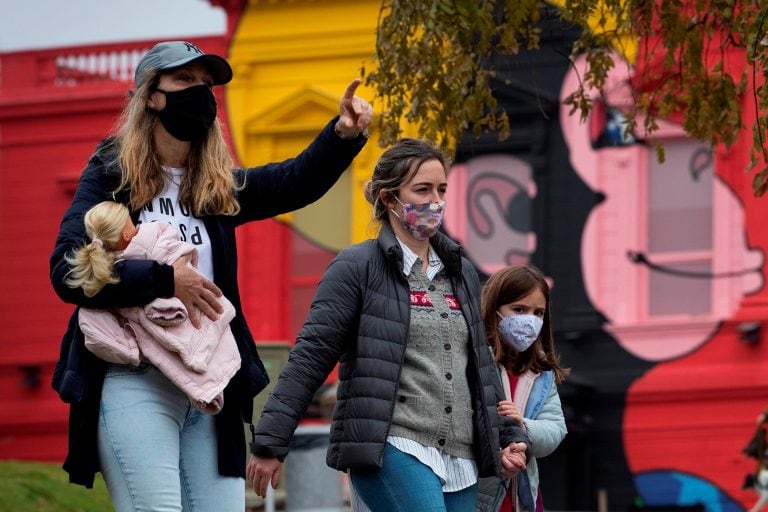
<point x="410" y="257"/>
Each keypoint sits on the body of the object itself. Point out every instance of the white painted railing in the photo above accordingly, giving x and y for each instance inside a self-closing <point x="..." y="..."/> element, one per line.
<point x="75" y="68"/>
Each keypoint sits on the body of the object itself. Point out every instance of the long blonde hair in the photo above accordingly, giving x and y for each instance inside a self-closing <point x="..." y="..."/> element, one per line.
<point x="208" y="186"/>
<point x="92" y="264"/>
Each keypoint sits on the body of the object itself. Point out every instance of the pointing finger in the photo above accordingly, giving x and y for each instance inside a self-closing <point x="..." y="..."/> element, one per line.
<point x="350" y="92"/>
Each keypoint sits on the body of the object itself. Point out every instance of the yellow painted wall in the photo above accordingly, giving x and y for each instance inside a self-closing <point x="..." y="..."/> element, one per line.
<point x="603" y="21"/>
<point x="292" y="61"/>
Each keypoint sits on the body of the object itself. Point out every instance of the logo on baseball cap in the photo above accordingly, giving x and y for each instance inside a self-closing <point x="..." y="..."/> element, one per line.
<point x="174" y="54"/>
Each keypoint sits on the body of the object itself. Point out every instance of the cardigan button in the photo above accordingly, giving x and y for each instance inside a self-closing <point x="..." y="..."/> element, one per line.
<point x="444" y="315"/>
<point x="447" y="346"/>
<point x="448" y="376"/>
<point x="431" y="288"/>
<point x="401" y="399"/>
<point x="448" y="409"/>
<point x="441" y="442"/>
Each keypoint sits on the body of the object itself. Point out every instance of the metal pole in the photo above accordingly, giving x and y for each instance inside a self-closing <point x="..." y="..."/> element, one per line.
<point x="269" y="501"/>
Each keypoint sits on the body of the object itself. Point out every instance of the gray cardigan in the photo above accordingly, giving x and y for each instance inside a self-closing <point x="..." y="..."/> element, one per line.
<point x="360" y="317"/>
<point x="433" y="402"/>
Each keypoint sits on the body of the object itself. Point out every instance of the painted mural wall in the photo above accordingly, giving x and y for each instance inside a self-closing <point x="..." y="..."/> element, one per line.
<point x="549" y="195"/>
<point x="658" y="289"/>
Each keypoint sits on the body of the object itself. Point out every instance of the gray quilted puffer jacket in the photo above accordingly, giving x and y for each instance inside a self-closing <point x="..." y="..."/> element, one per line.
<point x="360" y="317"/>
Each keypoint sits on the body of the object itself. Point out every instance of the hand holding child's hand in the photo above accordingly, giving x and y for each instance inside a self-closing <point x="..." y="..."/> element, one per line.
<point x="513" y="459"/>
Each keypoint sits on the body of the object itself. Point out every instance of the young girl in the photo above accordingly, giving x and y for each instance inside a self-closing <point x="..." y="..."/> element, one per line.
<point x="516" y="313"/>
<point x="200" y="362"/>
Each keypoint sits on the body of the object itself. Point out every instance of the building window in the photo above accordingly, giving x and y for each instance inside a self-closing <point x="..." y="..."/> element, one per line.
<point x="680" y="227"/>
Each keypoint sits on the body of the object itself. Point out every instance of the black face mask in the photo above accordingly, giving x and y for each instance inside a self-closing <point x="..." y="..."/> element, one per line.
<point x="188" y="113"/>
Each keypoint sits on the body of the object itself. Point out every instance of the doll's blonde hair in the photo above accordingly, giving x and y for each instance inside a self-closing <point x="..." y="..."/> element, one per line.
<point x="208" y="186"/>
<point x="92" y="264"/>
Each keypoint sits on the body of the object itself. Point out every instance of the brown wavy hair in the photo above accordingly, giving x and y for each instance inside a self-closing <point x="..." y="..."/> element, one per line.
<point x="396" y="166"/>
<point x="208" y="186"/>
<point x="509" y="285"/>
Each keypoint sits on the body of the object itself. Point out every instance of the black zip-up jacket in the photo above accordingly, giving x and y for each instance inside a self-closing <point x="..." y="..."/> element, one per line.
<point x="270" y="190"/>
<point x="360" y="317"/>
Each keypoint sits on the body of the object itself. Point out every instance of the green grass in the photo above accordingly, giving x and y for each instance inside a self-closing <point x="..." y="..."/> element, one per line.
<point x="41" y="487"/>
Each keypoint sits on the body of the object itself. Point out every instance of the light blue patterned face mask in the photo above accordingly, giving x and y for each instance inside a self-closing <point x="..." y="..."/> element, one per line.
<point x="519" y="331"/>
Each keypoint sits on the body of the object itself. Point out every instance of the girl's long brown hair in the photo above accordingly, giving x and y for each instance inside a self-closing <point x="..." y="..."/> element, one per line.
<point x="507" y="286"/>
<point x="208" y="186"/>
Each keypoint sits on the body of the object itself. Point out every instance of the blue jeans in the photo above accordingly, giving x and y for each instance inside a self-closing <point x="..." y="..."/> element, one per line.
<point x="403" y="484"/>
<point x="157" y="452"/>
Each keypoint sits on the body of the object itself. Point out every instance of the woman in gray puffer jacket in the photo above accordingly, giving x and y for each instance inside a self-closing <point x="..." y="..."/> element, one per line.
<point x="415" y="423"/>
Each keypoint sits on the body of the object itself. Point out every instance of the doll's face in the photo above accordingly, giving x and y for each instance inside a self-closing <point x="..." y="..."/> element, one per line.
<point x="126" y="235"/>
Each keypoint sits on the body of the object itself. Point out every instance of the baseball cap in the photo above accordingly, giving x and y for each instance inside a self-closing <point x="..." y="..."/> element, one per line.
<point x="174" y="54"/>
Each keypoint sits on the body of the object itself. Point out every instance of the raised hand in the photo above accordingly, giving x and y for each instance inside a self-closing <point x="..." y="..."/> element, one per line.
<point x="355" y="113"/>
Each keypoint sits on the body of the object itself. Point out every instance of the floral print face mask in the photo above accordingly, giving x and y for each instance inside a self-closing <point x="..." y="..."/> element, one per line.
<point x="421" y="220"/>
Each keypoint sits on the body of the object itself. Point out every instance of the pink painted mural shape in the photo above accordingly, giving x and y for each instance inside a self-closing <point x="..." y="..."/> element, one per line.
<point x="678" y="215"/>
<point x="666" y="258"/>
<point x="488" y="210"/>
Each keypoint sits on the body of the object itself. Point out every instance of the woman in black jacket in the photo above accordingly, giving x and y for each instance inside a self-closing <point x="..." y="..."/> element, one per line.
<point x="168" y="162"/>
<point x="415" y="423"/>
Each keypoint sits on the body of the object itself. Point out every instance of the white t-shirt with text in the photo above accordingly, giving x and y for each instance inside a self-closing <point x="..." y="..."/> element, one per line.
<point x="165" y="207"/>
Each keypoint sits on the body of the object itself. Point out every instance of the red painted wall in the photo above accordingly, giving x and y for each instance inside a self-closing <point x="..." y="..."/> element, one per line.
<point x="694" y="414"/>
